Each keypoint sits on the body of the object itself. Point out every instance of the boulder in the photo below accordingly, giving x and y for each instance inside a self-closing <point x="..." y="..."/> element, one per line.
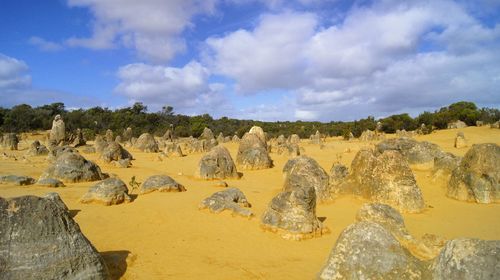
<point x="495" y="124"/>
<point x="446" y="163"/>
<point x="287" y="149"/>
<point x="17" y="180"/>
<point x="236" y="138"/>
<point x="316" y="138"/>
<point x="457" y="124"/>
<point x="460" y="141"/>
<point x="115" y="152"/>
<point x="231" y="199"/>
<point x="108" y="192"/>
<point x="10" y="141"/>
<point x="466" y="258"/>
<point x="79" y="140"/>
<point x="173" y="150"/>
<point x="252" y="153"/>
<point x="479" y="123"/>
<point x="217" y="164"/>
<point x="305" y="171"/>
<point x="415" y="152"/>
<point x="257" y="130"/>
<point x="70" y="167"/>
<point x="50" y="182"/>
<point x="369" y="135"/>
<point x="40" y="240"/>
<point x="58" y="132"/>
<point x="294" y="139"/>
<point x="168" y="136"/>
<point x="366" y="250"/>
<point x="100" y="144"/>
<point x="161" y="183"/>
<point x="220" y="138"/>
<point x="477" y="178"/>
<point x="338" y="174"/>
<point x="109" y="137"/>
<point x="146" y="143"/>
<point x="385" y="178"/>
<point x="207" y="134"/>
<point x="37" y="149"/>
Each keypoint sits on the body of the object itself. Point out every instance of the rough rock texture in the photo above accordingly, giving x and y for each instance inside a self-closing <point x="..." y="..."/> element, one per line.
<point x="58" y="132"/>
<point x="446" y="163"/>
<point x="88" y="150"/>
<point x="252" y="153"/>
<point x="161" y="183"/>
<point x="123" y="163"/>
<point x="50" y="182"/>
<point x="460" y="141"/>
<point x="287" y="149"/>
<point x="17" y="180"/>
<point x="366" y="250"/>
<point x="465" y="258"/>
<point x="217" y="164"/>
<point x="220" y="138"/>
<point x="109" y="137"/>
<point x="338" y="173"/>
<point x="147" y="143"/>
<point x="257" y="130"/>
<point x="412" y="150"/>
<point x="207" y="134"/>
<point x="71" y="167"/>
<point x="100" y="144"/>
<point x="40" y="240"/>
<point x="37" y="149"/>
<point x="236" y="138"/>
<point x="229" y="199"/>
<point x="292" y="213"/>
<point x="173" y="150"/>
<point x="404" y="133"/>
<point x="479" y="123"/>
<point x="316" y="138"/>
<point x="108" y="192"/>
<point x="79" y="140"/>
<point x="115" y="152"/>
<point x="294" y="139"/>
<point x="457" y="124"/>
<point x="477" y="178"/>
<point x="385" y="178"/>
<point x="10" y="141"/>
<point x="369" y="135"/>
<point x="305" y="171"/>
<point x="168" y="136"/>
<point x="495" y="124"/>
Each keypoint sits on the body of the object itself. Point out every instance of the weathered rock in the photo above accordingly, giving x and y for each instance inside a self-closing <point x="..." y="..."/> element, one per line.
<point x="385" y="178"/>
<point x="257" y="130"/>
<point x="108" y="192"/>
<point x="446" y="163"/>
<point x="294" y="139"/>
<point x="147" y="143"/>
<point x="17" y="180"/>
<point x="217" y="164"/>
<point x="37" y="149"/>
<point x="109" y="137"/>
<point x="161" y="183"/>
<point x="100" y="144"/>
<point x="127" y="135"/>
<point x="460" y="141"/>
<point x="292" y="213"/>
<point x="173" y="150"/>
<point x="118" y="139"/>
<point x="71" y="167"/>
<point x="338" y="173"/>
<point x="58" y="131"/>
<point x="366" y="250"/>
<point x="236" y="138"/>
<point x="369" y="135"/>
<point x="290" y="150"/>
<point x="207" y="134"/>
<point x="465" y="258"/>
<point x="40" y="240"/>
<point x="457" y="124"/>
<point x="404" y="133"/>
<point x="79" y="140"/>
<point x="123" y="163"/>
<point x="412" y="150"/>
<point x="10" y="141"/>
<point x="479" y="123"/>
<point x="220" y="138"/>
<point x="305" y="171"/>
<point x="477" y="178"/>
<point x="229" y="199"/>
<point x="316" y="138"/>
<point x="59" y="150"/>
<point x="252" y="153"/>
<point x="88" y="150"/>
<point x="115" y="152"/>
<point x="168" y="136"/>
<point x="50" y="182"/>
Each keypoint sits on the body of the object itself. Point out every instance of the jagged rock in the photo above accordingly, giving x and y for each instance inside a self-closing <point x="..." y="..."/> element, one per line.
<point x="10" y="141"/>
<point x="457" y="124"/>
<point x="316" y="138"/>
<point x="115" y="152"/>
<point x="292" y="213"/>
<point x="79" y="140"/>
<point x="58" y="132"/>
<point x="50" y="182"/>
<point x="220" y="138"/>
<point x="37" y="149"/>
<point x="412" y="150"/>
<point x="147" y="143"/>
<point x="118" y="139"/>
<point x="477" y="178"/>
<point x="173" y="150"/>
<point x="71" y="167"/>
<point x="161" y="183"/>
<point x="466" y="258"/>
<point x="168" y="136"/>
<point x="40" y="240"/>
<point x="108" y="192"/>
<point x="281" y="140"/>
<point x="207" y="134"/>
<point x="109" y="137"/>
<point x="100" y="144"/>
<point x="236" y="138"/>
<point x="59" y="150"/>
<point x="252" y="153"/>
<point x="303" y="170"/>
<point x="338" y="173"/>
<point x="294" y="139"/>
<point x="127" y="134"/>
<point x="366" y="250"/>
<point x="217" y="164"/>
<point x="385" y="178"/>
<point x="17" y="180"/>
<point x="229" y="199"/>
<point x="460" y="141"/>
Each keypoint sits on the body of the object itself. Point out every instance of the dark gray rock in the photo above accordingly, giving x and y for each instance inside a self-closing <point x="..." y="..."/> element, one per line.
<point x="146" y="143"/>
<point x="37" y="149"/>
<point x="17" y="180"/>
<point x="229" y="199"/>
<point x="40" y="240"/>
<point x="477" y="178"/>
<point x="366" y="250"/>
<point x="161" y="183"/>
<point x="305" y="171"/>
<point x="414" y="151"/>
<point x="468" y="259"/>
<point x="50" y="182"/>
<point x="108" y="192"/>
<point x="217" y="164"/>
<point x="446" y="162"/>
<point x="71" y="167"/>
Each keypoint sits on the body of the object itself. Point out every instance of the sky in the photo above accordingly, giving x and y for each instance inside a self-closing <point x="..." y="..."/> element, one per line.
<point x="311" y="60"/>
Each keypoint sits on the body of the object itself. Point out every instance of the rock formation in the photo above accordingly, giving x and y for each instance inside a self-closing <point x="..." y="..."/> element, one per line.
<point x="109" y="137"/>
<point x="414" y="151"/>
<point x="303" y="170"/>
<point x="37" y="149"/>
<point x="115" y="152"/>
<point x="217" y="164"/>
<point x="79" y="140"/>
<point x="108" y="192"/>
<point x="58" y="131"/>
<point x="50" y="182"/>
<point x="252" y="152"/>
<point x="147" y="143"/>
<point x="10" y="141"/>
<point x="70" y="167"/>
<point x="17" y="180"/>
<point x="161" y="183"/>
<point x="457" y="124"/>
<point x="229" y="199"/>
<point x="460" y="141"/>
<point x="207" y="134"/>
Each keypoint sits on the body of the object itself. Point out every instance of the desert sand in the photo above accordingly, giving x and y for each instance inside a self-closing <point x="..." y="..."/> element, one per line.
<point x="165" y="236"/>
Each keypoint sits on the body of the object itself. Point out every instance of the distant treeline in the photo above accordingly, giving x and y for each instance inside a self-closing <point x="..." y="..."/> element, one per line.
<point x="96" y="120"/>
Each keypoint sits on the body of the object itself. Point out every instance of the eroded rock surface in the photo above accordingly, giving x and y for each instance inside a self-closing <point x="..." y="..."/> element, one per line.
<point x="217" y="164"/>
<point x="146" y="143"/>
<point x="231" y="199"/>
<point x="302" y="171"/>
<point x="161" y="183"/>
<point x="108" y="192"/>
<point x="70" y="167"/>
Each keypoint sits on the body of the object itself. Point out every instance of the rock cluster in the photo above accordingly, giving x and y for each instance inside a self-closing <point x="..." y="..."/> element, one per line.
<point x="17" y="180"/>
<point x="457" y="124"/>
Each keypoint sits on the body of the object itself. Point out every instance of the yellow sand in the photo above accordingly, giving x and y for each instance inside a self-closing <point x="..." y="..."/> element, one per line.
<point x="165" y="236"/>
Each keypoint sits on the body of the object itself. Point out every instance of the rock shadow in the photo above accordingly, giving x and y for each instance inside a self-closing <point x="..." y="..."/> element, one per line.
<point x="116" y="261"/>
<point x="74" y="212"/>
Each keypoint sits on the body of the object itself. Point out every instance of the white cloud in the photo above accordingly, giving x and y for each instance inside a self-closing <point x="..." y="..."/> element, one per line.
<point x="45" y="45"/>
<point x="13" y="73"/>
<point x="152" y="27"/>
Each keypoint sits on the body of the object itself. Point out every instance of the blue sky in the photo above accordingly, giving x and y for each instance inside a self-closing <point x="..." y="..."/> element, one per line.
<point x="268" y="60"/>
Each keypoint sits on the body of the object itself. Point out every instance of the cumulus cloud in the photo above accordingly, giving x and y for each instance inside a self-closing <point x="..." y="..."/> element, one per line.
<point x="13" y="73"/>
<point x="45" y="45"/>
<point x="382" y="58"/>
<point x="186" y="88"/>
<point x="151" y="27"/>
